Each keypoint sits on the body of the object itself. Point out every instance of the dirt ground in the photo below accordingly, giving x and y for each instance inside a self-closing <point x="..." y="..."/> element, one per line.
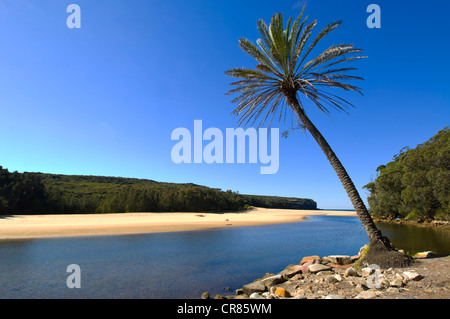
<point x="434" y="285"/>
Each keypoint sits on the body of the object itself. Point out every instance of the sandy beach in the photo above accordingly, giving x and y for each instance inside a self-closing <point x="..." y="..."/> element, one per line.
<point x="40" y="226"/>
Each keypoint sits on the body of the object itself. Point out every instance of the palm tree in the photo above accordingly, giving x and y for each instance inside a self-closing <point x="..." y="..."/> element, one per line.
<point x="284" y="74"/>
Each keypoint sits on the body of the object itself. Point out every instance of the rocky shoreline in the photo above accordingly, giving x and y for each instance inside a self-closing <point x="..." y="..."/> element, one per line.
<point x="445" y="224"/>
<point x="343" y="277"/>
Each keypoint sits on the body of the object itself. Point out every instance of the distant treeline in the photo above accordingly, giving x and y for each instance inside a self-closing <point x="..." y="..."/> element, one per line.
<point x="279" y="202"/>
<point x="416" y="184"/>
<point x="37" y="193"/>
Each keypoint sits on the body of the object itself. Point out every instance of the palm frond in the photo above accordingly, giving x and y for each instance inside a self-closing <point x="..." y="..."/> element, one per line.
<point x="259" y="55"/>
<point x="281" y="53"/>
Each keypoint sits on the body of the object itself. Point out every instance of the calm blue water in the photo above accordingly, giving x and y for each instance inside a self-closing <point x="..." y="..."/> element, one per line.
<point x="169" y="265"/>
<point x="185" y="264"/>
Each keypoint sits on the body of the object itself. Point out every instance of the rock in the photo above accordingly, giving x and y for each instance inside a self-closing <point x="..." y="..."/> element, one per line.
<point x="325" y="273"/>
<point x="299" y="296"/>
<point x="339" y="259"/>
<point x="315" y="259"/>
<point x="367" y="271"/>
<point x="424" y="254"/>
<point x="396" y="283"/>
<point x="440" y="222"/>
<point x="267" y="275"/>
<point x="368" y="294"/>
<point x="389" y="271"/>
<point x="315" y="268"/>
<point x="256" y="295"/>
<point x="282" y="292"/>
<point x="338" y="277"/>
<point x="219" y="297"/>
<point x="256" y="286"/>
<point x="297" y="277"/>
<point x="357" y="280"/>
<point x="272" y="290"/>
<point x="412" y="275"/>
<point x="384" y="283"/>
<point x="305" y="266"/>
<point x="205" y="295"/>
<point x="401" y="277"/>
<point x="393" y="290"/>
<point x="331" y="279"/>
<point x="334" y="296"/>
<point x="239" y="292"/>
<point x="305" y="269"/>
<point x="272" y="280"/>
<point x="351" y="272"/>
<point x="361" y="287"/>
<point x="291" y="270"/>
<point x="268" y="295"/>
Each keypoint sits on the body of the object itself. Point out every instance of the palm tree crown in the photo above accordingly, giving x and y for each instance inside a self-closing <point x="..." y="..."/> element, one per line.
<point x="283" y="70"/>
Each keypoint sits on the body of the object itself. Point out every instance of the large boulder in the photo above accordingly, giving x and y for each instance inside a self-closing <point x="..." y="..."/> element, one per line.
<point x="282" y="292"/>
<point x="412" y="275"/>
<point x="273" y="280"/>
<point x="366" y="294"/>
<point x="305" y="266"/>
<point x="315" y="259"/>
<point x="339" y="259"/>
<point x="350" y="272"/>
<point x="291" y="270"/>
<point x="256" y="286"/>
<point x="315" y="268"/>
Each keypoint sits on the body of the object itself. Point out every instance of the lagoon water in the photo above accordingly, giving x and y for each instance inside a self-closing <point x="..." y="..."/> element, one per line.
<point x="169" y="265"/>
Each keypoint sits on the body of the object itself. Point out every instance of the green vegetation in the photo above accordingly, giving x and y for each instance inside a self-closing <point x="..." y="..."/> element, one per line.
<point x="416" y="183"/>
<point x="279" y="202"/>
<point x="32" y="193"/>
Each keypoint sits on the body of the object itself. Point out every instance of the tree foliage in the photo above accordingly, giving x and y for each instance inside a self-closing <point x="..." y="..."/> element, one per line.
<point x="416" y="183"/>
<point x="26" y="193"/>
<point x="22" y="193"/>
<point x="286" y="70"/>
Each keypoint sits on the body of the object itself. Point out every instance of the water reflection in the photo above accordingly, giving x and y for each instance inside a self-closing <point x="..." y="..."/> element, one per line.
<point x="414" y="239"/>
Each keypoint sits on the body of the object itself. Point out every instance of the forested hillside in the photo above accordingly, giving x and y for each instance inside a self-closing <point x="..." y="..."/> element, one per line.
<point x="32" y="193"/>
<point x="416" y="183"/>
<point x="279" y="202"/>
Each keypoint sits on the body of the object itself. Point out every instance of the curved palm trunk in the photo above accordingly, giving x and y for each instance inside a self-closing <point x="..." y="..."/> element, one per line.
<point x="360" y="208"/>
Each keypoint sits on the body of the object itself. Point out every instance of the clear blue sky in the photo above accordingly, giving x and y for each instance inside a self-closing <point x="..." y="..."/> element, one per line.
<point x="104" y="99"/>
